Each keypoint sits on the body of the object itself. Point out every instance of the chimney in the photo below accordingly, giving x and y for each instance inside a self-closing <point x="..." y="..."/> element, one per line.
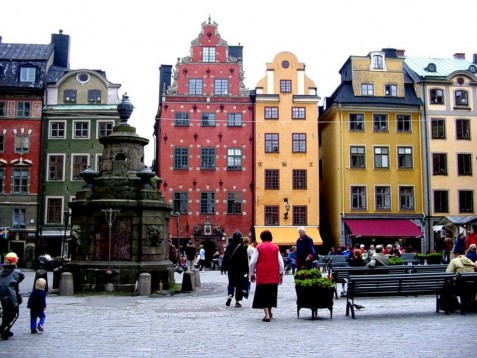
<point x="459" y="56"/>
<point x="389" y="52"/>
<point x="165" y="74"/>
<point x="62" y="49"/>
<point x="400" y="53"/>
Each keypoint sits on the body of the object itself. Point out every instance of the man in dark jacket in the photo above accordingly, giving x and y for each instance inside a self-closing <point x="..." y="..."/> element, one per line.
<point x="190" y="252"/>
<point x="305" y="251"/>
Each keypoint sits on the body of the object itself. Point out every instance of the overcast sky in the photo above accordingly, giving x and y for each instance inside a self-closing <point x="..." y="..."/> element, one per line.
<point x="130" y="40"/>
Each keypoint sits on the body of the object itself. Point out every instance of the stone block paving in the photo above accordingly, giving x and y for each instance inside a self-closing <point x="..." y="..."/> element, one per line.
<point x="198" y="324"/>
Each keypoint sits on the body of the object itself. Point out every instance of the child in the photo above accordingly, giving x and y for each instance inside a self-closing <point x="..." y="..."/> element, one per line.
<point x="37" y="305"/>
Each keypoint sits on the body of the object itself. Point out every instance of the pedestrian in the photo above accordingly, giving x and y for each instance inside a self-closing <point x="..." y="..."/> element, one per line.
<point x="10" y="278"/>
<point x="173" y="255"/>
<point x="190" y="252"/>
<point x="305" y="250"/>
<point x="448" y="243"/>
<point x="37" y="305"/>
<point x="266" y="269"/>
<point x="201" y="258"/>
<point x="235" y="263"/>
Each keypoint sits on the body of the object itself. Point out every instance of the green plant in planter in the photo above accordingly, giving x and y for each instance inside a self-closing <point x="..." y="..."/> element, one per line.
<point x="313" y="278"/>
<point x="434" y="258"/>
<point x="395" y="260"/>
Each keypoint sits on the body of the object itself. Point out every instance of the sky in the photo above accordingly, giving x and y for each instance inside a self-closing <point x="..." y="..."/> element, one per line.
<point x="130" y="40"/>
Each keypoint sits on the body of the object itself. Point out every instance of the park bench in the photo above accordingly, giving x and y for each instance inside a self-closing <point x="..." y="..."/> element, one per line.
<point x="398" y="285"/>
<point x="429" y="268"/>
<point x="466" y="289"/>
<point x="409" y="258"/>
<point x="330" y="262"/>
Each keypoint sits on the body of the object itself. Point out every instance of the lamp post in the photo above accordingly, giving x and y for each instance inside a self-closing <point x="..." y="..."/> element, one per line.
<point x="67" y="216"/>
<point x="110" y="215"/>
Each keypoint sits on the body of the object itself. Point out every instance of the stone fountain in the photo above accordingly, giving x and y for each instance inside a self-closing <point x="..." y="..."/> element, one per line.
<point x="120" y="221"/>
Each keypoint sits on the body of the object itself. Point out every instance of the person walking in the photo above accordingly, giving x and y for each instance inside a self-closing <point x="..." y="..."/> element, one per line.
<point x="37" y="304"/>
<point x="10" y="278"/>
<point x="305" y="251"/>
<point x="266" y="269"/>
<point x="201" y="258"/>
<point x="235" y="263"/>
<point x="190" y="252"/>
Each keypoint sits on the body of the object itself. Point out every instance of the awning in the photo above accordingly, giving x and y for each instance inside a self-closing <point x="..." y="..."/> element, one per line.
<point x="383" y="228"/>
<point x="458" y="220"/>
<point x="287" y="235"/>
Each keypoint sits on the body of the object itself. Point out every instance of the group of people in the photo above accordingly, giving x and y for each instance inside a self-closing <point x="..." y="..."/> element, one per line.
<point x="10" y="278"/>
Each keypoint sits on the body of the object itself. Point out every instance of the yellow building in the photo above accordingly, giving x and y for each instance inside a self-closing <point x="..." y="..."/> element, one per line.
<point x="286" y="152"/>
<point x="371" y="169"/>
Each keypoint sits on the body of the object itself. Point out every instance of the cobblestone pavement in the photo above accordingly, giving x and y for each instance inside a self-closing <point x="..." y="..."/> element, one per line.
<point x="199" y="325"/>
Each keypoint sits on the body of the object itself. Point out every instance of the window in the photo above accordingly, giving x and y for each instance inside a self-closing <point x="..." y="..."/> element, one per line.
<point x="20" y="181"/>
<point x="383" y="197"/>
<point x="208" y="54"/>
<point x="22" y="143"/>
<point x="464" y="164"/>
<point x="3" y="109"/>
<point x="441" y="201"/>
<point x="461" y="98"/>
<point x="438" y="128"/>
<point x="195" y="86"/>
<point x="55" y="167"/>
<point x="404" y="157"/>
<point x="358" y="198"/>
<point x="299" y="215"/>
<point x="23" y="109"/>
<point x="378" y="62"/>
<point x="221" y="87"/>
<point x="356" y="122"/>
<point x="381" y="157"/>
<point x="208" y="120"/>
<point x="234" y="203"/>
<point x="234" y="159"/>
<point x="81" y="130"/>
<point x="271" y="112"/>
<point x="272" y="179"/>
<point x="439" y="163"/>
<point x="2" y="180"/>
<point x="180" y="202"/>
<point x="462" y="129"/>
<point x="466" y="201"/>
<point x="367" y="89"/>
<point x="207" y="158"/>
<point x="2" y="143"/>
<point x="271" y="142"/>
<point x="390" y="90"/>
<point x="357" y="157"/>
<point x="380" y="122"/>
<point x="99" y="161"/>
<point x="181" y="158"/>
<point x="207" y="202"/>
<point x="105" y="128"/>
<point x="57" y="130"/>
<point x="436" y="96"/>
<point x="299" y="179"/>
<point x="234" y="120"/>
<point x="406" y="198"/>
<point x="18" y="220"/>
<point x="271" y="215"/>
<point x="79" y="163"/>
<point x="298" y="113"/>
<point x="285" y="86"/>
<point x="299" y="142"/>
<point x="94" y="96"/>
<point x="70" y="96"/>
<point x="181" y="119"/>
<point x="54" y="208"/>
<point x="403" y="123"/>
<point x="27" y="74"/>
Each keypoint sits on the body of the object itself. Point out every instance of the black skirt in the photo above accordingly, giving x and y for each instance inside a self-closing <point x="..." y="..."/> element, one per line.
<point x="265" y="296"/>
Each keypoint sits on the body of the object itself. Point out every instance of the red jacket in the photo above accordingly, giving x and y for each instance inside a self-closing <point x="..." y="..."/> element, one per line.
<point x="267" y="268"/>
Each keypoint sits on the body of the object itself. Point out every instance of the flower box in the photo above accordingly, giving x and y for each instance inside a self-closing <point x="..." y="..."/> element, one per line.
<point x="314" y="292"/>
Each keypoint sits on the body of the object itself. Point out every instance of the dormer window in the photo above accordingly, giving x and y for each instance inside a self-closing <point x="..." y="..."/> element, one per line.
<point x="208" y="54"/>
<point x="378" y="62"/>
<point x="472" y="69"/>
<point x="94" y="96"/>
<point x="431" y="67"/>
<point x="69" y="96"/>
<point x="367" y="89"/>
<point x="461" y="98"/>
<point x="390" y="90"/>
<point x="27" y="74"/>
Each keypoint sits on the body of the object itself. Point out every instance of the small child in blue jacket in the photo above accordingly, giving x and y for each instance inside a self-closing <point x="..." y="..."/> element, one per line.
<point x="37" y="305"/>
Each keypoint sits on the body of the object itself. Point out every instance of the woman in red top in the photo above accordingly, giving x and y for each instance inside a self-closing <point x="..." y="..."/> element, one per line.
<point x="266" y="269"/>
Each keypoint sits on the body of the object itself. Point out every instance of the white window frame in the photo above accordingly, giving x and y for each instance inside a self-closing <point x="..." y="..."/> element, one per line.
<point x="50" y="129"/>
<point x="106" y="122"/>
<point x="48" y="166"/>
<point x="73" y="155"/>
<point x="47" y="198"/>
<point x="73" y="129"/>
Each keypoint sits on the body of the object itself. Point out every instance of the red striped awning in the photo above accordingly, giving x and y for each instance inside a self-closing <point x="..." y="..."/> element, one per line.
<point x="399" y="228"/>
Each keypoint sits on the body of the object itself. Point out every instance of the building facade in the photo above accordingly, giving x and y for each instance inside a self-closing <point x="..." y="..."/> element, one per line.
<point x="204" y="134"/>
<point x="286" y="152"/>
<point x="371" y="163"/>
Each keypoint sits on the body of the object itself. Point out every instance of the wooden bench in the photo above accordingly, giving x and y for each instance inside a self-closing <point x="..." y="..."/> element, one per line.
<point x="397" y="285"/>
<point x="429" y="268"/>
<point x="466" y="289"/>
<point x="409" y="258"/>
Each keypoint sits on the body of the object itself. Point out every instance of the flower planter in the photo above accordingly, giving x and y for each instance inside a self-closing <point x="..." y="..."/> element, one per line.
<point x="314" y="298"/>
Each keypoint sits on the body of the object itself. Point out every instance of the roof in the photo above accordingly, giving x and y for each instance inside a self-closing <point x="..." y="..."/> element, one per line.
<point x="444" y="66"/>
<point x="25" y="52"/>
<point x="458" y="220"/>
<point x="400" y="228"/>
